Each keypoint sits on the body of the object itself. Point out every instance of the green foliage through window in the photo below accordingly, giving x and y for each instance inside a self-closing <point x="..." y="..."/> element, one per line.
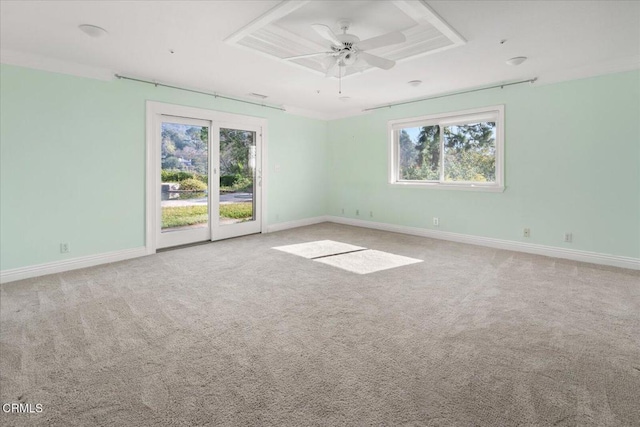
<point x="172" y="175"/>
<point x="469" y="153"/>
<point x="185" y="148"/>
<point x="192" y="184"/>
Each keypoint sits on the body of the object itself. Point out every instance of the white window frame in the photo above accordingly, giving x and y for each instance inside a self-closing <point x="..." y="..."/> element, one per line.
<point x="492" y="113"/>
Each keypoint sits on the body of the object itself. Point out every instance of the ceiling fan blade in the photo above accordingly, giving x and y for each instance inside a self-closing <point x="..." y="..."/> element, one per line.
<point x="328" y="61"/>
<point x="359" y="66"/>
<point x="377" y="61"/>
<point x="383" y="40"/>
<point x="326" y="33"/>
<point x="307" y="55"/>
<point x="331" y="69"/>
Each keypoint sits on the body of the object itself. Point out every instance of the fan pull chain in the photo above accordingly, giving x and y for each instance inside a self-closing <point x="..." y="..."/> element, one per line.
<point x="339" y="79"/>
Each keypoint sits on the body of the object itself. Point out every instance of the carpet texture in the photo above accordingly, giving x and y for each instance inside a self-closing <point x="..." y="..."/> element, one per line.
<point x="235" y="333"/>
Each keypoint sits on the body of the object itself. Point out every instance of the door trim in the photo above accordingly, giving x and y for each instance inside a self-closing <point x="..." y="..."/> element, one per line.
<point x="153" y="110"/>
<point x="221" y="232"/>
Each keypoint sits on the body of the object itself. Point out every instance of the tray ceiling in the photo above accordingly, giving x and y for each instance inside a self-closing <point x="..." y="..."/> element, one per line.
<point x="286" y="31"/>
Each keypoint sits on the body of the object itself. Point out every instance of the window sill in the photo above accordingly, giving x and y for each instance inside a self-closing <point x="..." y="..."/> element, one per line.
<point x="443" y="186"/>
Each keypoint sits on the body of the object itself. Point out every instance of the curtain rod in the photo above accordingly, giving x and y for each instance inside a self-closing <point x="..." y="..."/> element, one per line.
<point x="215" y="95"/>
<point x="533" y="80"/>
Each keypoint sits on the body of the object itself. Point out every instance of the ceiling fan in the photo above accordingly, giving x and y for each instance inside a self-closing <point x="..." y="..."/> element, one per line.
<point x="348" y="50"/>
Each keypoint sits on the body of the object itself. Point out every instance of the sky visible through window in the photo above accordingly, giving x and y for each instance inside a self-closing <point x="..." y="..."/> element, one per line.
<point x="414" y="133"/>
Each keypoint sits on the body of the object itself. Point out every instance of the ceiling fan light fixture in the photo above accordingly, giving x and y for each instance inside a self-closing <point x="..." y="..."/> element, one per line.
<point x="93" y="30"/>
<point x="516" y="60"/>
<point x="348" y="58"/>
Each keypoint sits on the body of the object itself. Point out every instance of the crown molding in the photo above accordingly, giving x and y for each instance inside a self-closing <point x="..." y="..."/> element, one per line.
<point x="45" y="63"/>
<point x="618" y="65"/>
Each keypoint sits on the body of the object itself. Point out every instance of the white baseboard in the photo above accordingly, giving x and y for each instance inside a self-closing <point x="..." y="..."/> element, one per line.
<point x="69" y="264"/>
<point x="550" y="251"/>
<point x="555" y="252"/>
<point x="297" y="223"/>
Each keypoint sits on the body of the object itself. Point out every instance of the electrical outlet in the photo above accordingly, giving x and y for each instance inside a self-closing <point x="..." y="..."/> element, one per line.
<point x="357" y="211"/>
<point x="526" y="232"/>
<point x="436" y="221"/>
<point x="64" y="248"/>
<point x="568" y="237"/>
<point x="371" y="214"/>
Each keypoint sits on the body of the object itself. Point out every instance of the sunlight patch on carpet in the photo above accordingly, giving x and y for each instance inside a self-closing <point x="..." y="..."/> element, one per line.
<point x="320" y="248"/>
<point x="369" y="261"/>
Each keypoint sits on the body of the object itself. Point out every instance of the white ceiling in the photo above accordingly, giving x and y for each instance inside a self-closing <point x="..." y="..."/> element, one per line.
<point x="562" y="39"/>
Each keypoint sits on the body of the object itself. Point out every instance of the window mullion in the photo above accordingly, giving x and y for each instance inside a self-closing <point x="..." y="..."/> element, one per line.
<point x="441" y="142"/>
<point x="396" y="152"/>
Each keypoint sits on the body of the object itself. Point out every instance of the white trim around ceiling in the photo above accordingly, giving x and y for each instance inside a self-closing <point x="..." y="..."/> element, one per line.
<point x="323" y="116"/>
<point x="45" y="63"/>
<point x="280" y="10"/>
<point x="424" y="12"/>
<point x="617" y="65"/>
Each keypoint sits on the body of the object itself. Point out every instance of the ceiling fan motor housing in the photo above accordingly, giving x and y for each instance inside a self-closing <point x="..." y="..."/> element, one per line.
<point x="348" y="52"/>
<point x="349" y="39"/>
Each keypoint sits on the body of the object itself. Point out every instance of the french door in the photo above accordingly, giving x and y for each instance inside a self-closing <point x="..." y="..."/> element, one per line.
<point x="206" y="171"/>
<point x="237" y="204"/>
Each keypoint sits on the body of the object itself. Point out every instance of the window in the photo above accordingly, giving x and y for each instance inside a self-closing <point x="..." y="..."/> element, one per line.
<point x="461" y="150"/>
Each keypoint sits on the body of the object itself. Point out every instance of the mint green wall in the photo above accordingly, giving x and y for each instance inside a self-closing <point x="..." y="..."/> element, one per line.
<point x="572" y="162"/>
<point x="72" y="154"/>
<point x="72" y="165"/>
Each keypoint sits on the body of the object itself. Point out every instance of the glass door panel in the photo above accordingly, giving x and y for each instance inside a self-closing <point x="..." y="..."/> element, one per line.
<point x="237" y="176"/>
<point x="184" y="181"/>
<point x="184" y="176"/>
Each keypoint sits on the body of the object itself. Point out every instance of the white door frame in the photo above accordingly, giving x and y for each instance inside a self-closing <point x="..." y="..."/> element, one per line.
<point x="220" y="232"/>
<point x="154" y="111"/>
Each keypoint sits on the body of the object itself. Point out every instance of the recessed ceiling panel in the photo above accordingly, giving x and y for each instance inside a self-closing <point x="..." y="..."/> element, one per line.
<point x="286" y="30"/>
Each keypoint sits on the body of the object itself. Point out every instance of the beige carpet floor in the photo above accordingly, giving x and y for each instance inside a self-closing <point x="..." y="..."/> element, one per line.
<point x="235" y="333"/>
